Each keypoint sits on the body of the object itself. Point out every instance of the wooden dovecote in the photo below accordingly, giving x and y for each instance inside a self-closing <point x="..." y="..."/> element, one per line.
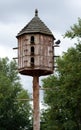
<point x="35" y="48"/>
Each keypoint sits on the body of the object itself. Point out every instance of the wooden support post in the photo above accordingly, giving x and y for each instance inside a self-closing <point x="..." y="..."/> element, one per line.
<point x="36" y="109"/>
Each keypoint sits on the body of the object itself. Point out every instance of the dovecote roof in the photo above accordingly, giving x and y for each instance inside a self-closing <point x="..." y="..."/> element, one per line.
<point x="36" y="25"/>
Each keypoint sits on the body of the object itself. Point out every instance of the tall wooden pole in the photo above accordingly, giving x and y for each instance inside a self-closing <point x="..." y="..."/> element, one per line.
<point x="36" y="109"/>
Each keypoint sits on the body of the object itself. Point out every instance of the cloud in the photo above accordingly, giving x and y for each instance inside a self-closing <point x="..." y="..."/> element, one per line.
<point x="52" y="11"/>
<point x="58" y="15"/>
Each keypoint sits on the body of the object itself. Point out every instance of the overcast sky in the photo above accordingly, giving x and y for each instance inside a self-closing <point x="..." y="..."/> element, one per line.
<point x="58" y="15"/>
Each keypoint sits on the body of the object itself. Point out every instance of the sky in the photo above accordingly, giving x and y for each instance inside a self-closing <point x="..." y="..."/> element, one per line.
<point x="58" y="15"/>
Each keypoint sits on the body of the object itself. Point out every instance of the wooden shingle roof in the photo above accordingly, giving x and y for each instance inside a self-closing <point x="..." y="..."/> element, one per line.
<point x="36" y="25"/>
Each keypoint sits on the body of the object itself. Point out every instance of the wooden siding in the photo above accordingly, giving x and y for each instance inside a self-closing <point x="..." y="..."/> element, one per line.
<point x="41" y="51"/>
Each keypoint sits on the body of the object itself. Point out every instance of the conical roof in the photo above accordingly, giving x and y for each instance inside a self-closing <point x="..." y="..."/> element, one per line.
<point x="36" y="25"/>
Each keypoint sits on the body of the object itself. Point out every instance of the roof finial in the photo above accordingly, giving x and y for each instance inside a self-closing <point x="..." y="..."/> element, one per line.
<point x="36" y="12"/>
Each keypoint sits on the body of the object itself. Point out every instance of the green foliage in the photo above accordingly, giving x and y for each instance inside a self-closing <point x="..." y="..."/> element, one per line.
<point x="64" y="94"/>
<point x="75" y="30"/>
<point x="14" y="113"/>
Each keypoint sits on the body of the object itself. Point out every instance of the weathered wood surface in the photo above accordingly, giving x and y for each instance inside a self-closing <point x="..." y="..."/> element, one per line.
<point x="36" y="108"/>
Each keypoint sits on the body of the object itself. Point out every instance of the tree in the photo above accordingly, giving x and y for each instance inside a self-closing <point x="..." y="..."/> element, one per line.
<point x="70" y="75"/>
<point x="14" y="113"/>
<point x="51" y="116"/>
<point x="75" y="30"/>
<point x="64" y="94"/>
